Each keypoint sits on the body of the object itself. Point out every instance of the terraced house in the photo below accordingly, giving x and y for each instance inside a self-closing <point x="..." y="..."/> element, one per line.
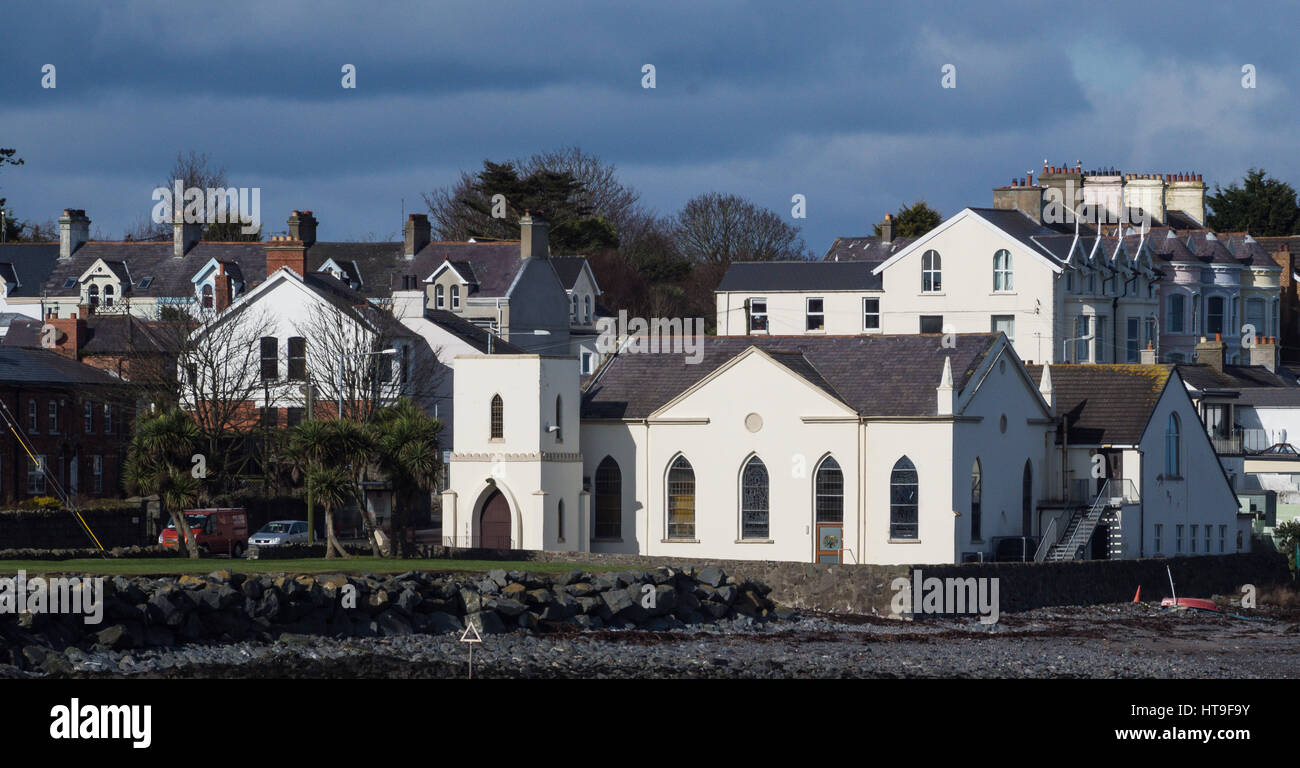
<point x="1061" y="289"/>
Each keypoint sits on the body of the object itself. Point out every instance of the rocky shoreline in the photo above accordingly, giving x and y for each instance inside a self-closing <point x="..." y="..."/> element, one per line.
<point x="225" y="608"/>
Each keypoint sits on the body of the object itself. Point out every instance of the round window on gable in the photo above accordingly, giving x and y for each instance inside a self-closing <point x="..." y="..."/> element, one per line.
<point x="753" y="422"/>
<point x="1002" y="423"/>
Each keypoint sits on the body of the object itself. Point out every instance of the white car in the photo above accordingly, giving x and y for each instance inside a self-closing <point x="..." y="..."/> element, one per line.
<point x="278" y="533"/>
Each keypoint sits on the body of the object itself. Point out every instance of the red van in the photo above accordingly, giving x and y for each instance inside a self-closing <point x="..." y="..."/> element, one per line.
<point x="219" y="531"/>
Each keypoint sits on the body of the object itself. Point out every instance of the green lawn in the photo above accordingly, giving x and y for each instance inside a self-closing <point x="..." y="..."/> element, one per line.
<point x="167" y="566"/>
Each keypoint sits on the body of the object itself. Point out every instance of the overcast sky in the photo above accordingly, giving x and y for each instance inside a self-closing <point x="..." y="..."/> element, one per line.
<point x="838" y="101"/>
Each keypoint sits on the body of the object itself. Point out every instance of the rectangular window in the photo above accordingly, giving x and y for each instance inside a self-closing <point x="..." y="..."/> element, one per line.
<point x="871" y="314"/>
<point x="931" y="323"/>
<point x="1131" y="340"/>
<point x="1159" y="542"/>
<point x="586" y="363"/>
<point x="90" y="417"/>
<point x="1193" y="539"/>
<point x="36" y="476"/>
<point x="294" y="416"/>
<point x="33" y="422"/>
<point x="297" y="358"/>
<point x="97" y="472"/>
<point x="1208" y="534"/>
<point x="816" y="315"/>
<point x="1223" y="538"/>
<point x="1081" y="325"/>
<point x="1178" y="538"/>
<point x="1149" y="333"/>
<point x="270" y="358"/>
<point x="1214" y="315"/>
<point x="270" y="418"/>
<point x="384" y="367"/>
<point x="406" y="363"/>
<point x="757" y="315"/>
<point x="54" y="417"/>
<point x="108" y="418"/>
<point x="1005" y="324"/>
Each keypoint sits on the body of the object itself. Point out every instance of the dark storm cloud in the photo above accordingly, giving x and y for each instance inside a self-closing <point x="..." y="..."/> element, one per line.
<point x="838" y="101"/>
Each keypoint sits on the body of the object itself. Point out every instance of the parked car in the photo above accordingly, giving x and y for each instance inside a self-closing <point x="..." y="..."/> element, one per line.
<point x="222" y="531"/>
<point x="278" y="533"/>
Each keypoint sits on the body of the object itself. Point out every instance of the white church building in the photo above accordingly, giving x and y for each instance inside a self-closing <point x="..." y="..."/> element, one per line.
<point x="877" y="449"/>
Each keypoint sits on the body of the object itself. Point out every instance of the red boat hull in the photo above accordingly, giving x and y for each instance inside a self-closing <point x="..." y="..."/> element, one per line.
<point x="1190" y="602"/>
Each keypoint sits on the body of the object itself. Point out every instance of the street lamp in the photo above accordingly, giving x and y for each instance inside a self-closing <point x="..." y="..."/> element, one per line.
<point x="344" y="356"/>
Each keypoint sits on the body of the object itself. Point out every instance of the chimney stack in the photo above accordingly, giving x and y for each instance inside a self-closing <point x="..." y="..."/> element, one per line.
<point x="1025" y="197"/>
<point x="284" y="252"/>
<point x="534" y="234"/>
<point x="1148" y="355"/>
<point x="69" y="334"/>
<point x="1264" y="352"/>
<point x="221" y="293"/>
<point x="887" y="230"/>
<point x="1211" y="352"/>
<point x="418" y="233"/>
<point x="185" y="235"/>
<point x="74" y="231"/>
<point x="302" y="226"/>
<point x="1186" y="193"/>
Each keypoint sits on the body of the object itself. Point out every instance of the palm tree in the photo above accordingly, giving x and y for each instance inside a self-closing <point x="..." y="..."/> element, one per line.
<point x="318" y="444"/>
<point x="407" y="451"/>
<point x="332" y="486"/>
<point x="159" y="461"/>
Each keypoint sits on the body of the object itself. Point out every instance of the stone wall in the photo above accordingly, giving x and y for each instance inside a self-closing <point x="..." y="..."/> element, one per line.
<point x="1021" y="586"/>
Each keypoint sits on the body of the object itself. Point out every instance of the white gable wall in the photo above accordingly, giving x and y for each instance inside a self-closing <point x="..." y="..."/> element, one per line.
<point x="967" y="300"/>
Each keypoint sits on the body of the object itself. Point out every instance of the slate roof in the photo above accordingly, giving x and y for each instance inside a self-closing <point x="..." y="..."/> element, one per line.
<point x="872" y="375"/>
<point x="865" y="248"/>
<point x="171" y="276"/>
<point x="105" y="335"/>
<point x="380" y="264"/>
<point x="1105" y="404"/>
<point x="800" y="276"/>
<point x="494" y="264"/>
<point x="569" y="268"/>
<point x="30" y="263"/>
<point x="1235" y="377"/>
<point x="469" y="333"/>
<point x="26" y="367"/>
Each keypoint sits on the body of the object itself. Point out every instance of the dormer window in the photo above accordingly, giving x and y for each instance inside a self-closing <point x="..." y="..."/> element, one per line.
<point x="439" y="300"/>
<point x="586" y="302"/>
<point x="207" y="296"/>
<point x="573" y="308"/>
<point x="455" y="298"/>
<point x="92" y="294"/>
<point x="108" y="295"/>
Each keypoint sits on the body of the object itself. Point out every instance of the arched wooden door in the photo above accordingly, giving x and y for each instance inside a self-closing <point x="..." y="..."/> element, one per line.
<point x="494" y="522"/>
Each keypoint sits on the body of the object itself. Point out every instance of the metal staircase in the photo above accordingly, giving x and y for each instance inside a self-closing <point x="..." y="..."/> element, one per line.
<point x="1079" y="530"/>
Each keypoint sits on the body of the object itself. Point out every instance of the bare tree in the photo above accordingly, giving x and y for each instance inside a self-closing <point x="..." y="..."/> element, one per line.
<point x="221" y="380"/>
<point x="718" y="228"/>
